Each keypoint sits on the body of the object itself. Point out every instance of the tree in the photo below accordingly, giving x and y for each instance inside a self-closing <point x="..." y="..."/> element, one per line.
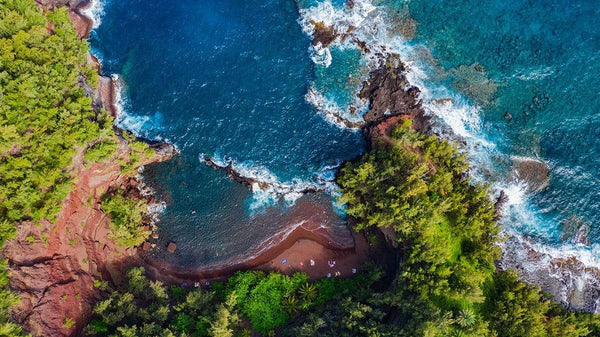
<point x="126" y="219"/>
<point x="225" y="318"/>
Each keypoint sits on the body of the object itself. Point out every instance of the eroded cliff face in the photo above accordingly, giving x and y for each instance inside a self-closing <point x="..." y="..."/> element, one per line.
<point x="53" y="265"/>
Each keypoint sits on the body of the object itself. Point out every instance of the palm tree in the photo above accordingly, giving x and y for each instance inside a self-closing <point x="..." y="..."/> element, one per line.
<point x="466" y="318"/>
<point x="458" y="333"/>
<point x="308" y="292"/>
<point x="290" y="304"/>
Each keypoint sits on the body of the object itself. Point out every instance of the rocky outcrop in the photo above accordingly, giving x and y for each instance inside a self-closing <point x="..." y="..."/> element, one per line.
<point x="566" y="278"/>
<point x="323" y="35"/>
<point x="251" y="182"/>
<point x="534" y="172"/>
<point x="53" y="264"/>
<point x="83" y="24"/>
<point x="391" y="101"/>
<point x="389" y="93"/>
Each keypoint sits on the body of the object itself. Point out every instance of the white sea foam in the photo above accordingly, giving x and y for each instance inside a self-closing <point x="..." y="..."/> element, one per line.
<point x="156" y="208"/>
<point x="451" y="111"/>
<point x="95" y="11"/>
<point x="269" y="189"/>
<point x="332" y="112"/>
<point x="320" y="55"/>
<point x="535" y="74"/>
<point x="137" y="124"/>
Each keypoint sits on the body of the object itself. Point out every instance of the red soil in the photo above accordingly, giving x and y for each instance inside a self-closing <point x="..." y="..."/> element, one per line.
<point x="52" y="266"/>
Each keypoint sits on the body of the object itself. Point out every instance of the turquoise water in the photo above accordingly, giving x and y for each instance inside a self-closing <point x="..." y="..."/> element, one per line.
<point x="544" y="57"/>
<point x="230" y="79"/>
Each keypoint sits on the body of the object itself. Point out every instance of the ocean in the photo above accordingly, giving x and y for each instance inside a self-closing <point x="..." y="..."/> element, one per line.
<point x="240" y="82"/>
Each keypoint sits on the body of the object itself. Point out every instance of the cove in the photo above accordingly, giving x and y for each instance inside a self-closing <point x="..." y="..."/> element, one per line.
<point x="226" y="79"/>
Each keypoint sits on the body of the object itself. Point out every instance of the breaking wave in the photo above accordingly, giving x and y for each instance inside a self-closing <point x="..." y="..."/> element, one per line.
<point x="268" y="190"/>
<point x="457" y="118"/>
<point x="139" y="125"/>
<point x="94" y="11"/>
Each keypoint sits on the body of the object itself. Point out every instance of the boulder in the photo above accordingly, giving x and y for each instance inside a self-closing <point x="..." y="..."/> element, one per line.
<point x="534" y="172"/>
<point x="146" y="246"/>
<point x="323" y="34"/>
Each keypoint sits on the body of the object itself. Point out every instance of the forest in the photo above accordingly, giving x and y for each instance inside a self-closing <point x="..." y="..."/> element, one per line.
<point x="46" y="119"/>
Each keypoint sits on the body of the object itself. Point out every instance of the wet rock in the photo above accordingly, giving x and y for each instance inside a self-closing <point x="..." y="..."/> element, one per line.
<point x="389" y="93"/>
<point x="508" y="116"/>
<point x="82" y="24"/>
<point x="500" y="201"/>
<point x="443" y="101"/>
<point x="534" y="172"/>
<point x="105" y="95"/>
<point x="566" y="278"/>
<point x="576" y="230"/>
<point x="362" y="46"/>
<point x="171" y="247"/>
<point x="323" y="35"/>
<point x="250" y="182"/>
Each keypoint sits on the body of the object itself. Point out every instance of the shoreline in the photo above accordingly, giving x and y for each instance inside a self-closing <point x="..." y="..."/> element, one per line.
<point x="260" y="261"/>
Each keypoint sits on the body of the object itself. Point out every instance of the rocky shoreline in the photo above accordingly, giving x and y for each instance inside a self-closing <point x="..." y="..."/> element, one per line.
<point x="388" y="91"/>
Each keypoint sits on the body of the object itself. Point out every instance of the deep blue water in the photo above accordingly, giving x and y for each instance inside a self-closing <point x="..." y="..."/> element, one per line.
<point x="229" y="78"/>
<point x="226" y="79"/>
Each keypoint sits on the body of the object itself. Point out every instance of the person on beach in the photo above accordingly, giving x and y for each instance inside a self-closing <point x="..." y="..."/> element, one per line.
<point x="312" y="262"/>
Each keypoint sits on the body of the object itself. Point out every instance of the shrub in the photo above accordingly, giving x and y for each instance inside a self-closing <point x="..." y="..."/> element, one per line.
<point x="126" y="219"/>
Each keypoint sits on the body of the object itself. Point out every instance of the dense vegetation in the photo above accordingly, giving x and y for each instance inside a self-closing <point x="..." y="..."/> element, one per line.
<point x="445" y="283"/>
<point x="45" y="115"/>
<point x="126" y="219"/>
<point x="46" y="118"/>
<point x="247" y="301"/>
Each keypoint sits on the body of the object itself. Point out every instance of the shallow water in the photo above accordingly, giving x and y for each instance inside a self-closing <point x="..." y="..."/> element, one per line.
<point x="544" y="57"/>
